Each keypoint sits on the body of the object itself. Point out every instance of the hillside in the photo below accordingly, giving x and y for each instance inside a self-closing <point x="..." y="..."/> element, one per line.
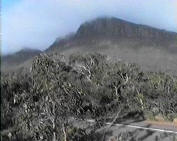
<point x="93" y="75"/>
<point x="13" y="60"/>
<point x="46" y="103"/>
<point x="153" y="49"/>
<point x="116" y="30"/>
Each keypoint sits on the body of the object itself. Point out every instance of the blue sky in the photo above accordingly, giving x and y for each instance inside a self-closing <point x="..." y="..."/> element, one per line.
<point x="37" y="23"/>
<point x="9" y="3"/>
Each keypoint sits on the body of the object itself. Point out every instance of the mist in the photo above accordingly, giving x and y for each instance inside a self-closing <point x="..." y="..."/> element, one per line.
<point x="37" y="23"/>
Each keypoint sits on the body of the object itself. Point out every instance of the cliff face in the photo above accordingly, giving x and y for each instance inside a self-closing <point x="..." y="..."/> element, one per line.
<point x="116" y="28"/>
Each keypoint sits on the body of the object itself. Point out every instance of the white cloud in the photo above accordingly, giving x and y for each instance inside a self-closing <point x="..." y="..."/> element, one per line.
<point x="37" y="23"/>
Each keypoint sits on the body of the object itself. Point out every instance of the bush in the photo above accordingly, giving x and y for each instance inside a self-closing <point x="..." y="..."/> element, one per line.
<point x="38" y="104"/>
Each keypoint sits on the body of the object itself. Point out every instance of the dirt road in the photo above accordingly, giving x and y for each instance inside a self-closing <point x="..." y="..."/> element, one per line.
<point x="138" y="131"/>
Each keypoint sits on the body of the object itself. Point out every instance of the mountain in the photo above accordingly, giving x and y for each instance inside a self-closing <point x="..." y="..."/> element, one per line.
<point x="13" y="60"/>
<point x="153" y="49"/>
<point x="117" y="30"/>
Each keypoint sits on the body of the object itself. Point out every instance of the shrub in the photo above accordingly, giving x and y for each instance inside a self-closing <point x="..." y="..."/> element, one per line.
<point x="38" y="104"/>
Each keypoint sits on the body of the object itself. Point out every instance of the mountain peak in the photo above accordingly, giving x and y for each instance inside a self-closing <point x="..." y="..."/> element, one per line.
<point x="116" y="28"/>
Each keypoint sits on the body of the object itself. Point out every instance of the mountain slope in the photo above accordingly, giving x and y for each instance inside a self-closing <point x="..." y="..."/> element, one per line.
<point x="13" y="60"/>
<point x="153" y="49"/>
<point x="112" y="27"/>
<point x="117" y="30"/>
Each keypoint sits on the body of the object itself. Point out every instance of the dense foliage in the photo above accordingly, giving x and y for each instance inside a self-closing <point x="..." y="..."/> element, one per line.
<point x="38" y="105"/>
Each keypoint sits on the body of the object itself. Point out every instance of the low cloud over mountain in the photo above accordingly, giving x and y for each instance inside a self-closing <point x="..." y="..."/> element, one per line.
<point x="37" y="23"/>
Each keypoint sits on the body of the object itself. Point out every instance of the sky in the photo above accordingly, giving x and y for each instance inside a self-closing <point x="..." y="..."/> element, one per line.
<point x="37" y="23"/>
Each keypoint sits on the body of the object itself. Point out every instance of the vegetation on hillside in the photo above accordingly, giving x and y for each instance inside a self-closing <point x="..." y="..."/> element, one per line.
<point x="39" y="105"/>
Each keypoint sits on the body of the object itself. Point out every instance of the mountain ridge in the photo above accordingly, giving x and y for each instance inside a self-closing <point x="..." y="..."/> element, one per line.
<point x="153" y="49"/>
<point x="116" y="29"/>
<point x="20" y="56"/>
<point x="121" y="27"/>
